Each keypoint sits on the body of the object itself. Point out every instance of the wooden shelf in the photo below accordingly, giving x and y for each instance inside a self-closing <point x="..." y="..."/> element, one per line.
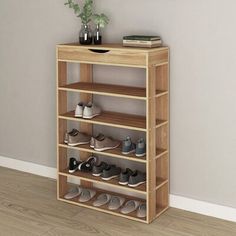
<point x="104" y="208"/>
<point x="113" y="182"/>
<point x="112" y="153"/>
<point x="115" y="119"/>
<point x="98" y="180"/>
<point x="110" y="90"/>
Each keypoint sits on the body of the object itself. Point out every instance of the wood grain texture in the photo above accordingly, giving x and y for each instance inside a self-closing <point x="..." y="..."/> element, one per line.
<point x="86" y="75"/>
<point x="28" y="207"/>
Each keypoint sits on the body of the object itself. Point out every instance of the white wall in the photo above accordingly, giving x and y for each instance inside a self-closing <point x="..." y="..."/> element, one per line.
<point x="201" y="35"/>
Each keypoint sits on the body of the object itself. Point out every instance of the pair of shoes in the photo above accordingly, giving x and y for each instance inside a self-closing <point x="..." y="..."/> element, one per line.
<point x="114" y="202"/>
<point x="133" y="205"/>
<point x="132" y="178"/>
<point x="106" y="171"/>
<point x="74" y="138"/>
<point x="84" y="166"/>
<point x="102" y="143"/>
<point x="87" y="111"/>
<point x="129" y="147"/>
<point x="84" y="194"/>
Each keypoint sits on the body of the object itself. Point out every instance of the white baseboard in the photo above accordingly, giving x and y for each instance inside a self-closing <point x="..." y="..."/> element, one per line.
<point x="28" y="167"/>
<point x="188" y="204"/>
<point x="204" y="208"/>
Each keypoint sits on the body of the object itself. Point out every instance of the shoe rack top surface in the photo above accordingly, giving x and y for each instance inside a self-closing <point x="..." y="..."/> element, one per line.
<point x="112" y="54"/>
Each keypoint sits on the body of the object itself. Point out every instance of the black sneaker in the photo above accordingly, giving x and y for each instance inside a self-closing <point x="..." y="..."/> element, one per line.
<point x="73" y="165"/>
<point x="98" y="169"/>
<point x="136" y="179"/>
<point x="124" y="176"/>
<point x="87" y="166"/>
<point x="110" y="172"/>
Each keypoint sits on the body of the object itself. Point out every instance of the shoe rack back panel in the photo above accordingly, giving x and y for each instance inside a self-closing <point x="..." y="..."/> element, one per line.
<point x="156" y="123"/>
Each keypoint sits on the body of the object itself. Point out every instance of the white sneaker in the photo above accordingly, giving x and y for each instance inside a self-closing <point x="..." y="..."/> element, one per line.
<point x="79" y="110"/>
<point x="91" y="110"/>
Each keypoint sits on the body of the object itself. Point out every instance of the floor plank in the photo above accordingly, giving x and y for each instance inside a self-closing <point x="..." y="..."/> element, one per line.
<point x="28" y="206"/>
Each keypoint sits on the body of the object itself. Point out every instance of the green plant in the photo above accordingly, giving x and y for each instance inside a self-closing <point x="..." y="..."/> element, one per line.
<point x="101" y="20"/>
<point x="85" y="13"/>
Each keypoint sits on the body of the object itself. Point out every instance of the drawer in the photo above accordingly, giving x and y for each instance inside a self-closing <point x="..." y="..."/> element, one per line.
<point x="102" y="56"/>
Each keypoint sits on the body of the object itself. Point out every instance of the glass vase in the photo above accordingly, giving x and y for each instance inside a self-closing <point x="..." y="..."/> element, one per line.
<point x="85" y="35"/>
<point x="97" y="36"/>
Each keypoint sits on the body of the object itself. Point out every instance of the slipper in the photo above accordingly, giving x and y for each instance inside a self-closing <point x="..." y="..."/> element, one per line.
<point x="141" y="212"/>
<point x="116" y="202"/>
<point x="130" y="206"/>
<point x="73" y="192"/>
<point x="102" y="199"/>
<point x="86" y="195"/>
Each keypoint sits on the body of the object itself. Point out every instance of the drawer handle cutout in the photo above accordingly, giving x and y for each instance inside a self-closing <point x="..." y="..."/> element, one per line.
<point x="99" y="50"/>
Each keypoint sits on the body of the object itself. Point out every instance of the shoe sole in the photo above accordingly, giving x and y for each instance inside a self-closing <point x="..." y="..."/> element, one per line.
<point x="126" y="153"/>
<point x="140" y="155"/>
<point x="109" y="178"/>
<point x="105" y="148"/>
<point x="97" y="174"/>
<point x="123" y="183"/>
<point x="75" y="144"/>
<point x="136" y="185"/>
<point x="90" y="117"/>
<point x="73" y="171"/>
<point x="78" y="116"/>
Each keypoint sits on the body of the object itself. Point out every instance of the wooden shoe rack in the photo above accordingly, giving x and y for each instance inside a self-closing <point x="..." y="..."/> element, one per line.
<point x="155" y="125"/>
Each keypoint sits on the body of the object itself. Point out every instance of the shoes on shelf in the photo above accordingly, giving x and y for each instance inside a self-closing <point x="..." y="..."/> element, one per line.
<point x="87" y="166"/>
<point x="124" y="176"/>
<point x="98" y="169"/>
<point x="88" y="111"/>
<point x="136" y="179"/>
<point x="86" y="195"/>
<point x="116" y="202"/>
<point x="79" y="110"/>
<point x="99" y="137"/>
<point x="78" y="138"/>
<point x="91" y="110"/>
<point x="102" y="199"/>
<point x="105" y="144"/>
<point x="127" y="146"/>
<point x="73" y="165"/>
<point x="73" y="192"/>
<point x="142" y="210"/>
<point x="67" y="134"/>
<point x="110" y="172"/>
<point x="140" y="148"/>
<point x="130" y="206"/>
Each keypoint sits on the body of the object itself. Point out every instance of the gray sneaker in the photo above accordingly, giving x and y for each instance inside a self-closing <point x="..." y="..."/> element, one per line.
<point x="91" y="110"/>
<point x="105" y="144"/>
<point x="112" y="171"/>
<point x="124" y="176"/>
<point x="140" y="148"/>
<point x="127" y="146"/>
<point x="71" y="133"/>
<point x="78" y="138"/>
<point x="136" y="179"/>
<point x="99" y="137"/>
<point x="98" y="169"/>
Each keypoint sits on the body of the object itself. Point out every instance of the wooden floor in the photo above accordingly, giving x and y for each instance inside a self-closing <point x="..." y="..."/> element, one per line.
<point x="28" y="206"/>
